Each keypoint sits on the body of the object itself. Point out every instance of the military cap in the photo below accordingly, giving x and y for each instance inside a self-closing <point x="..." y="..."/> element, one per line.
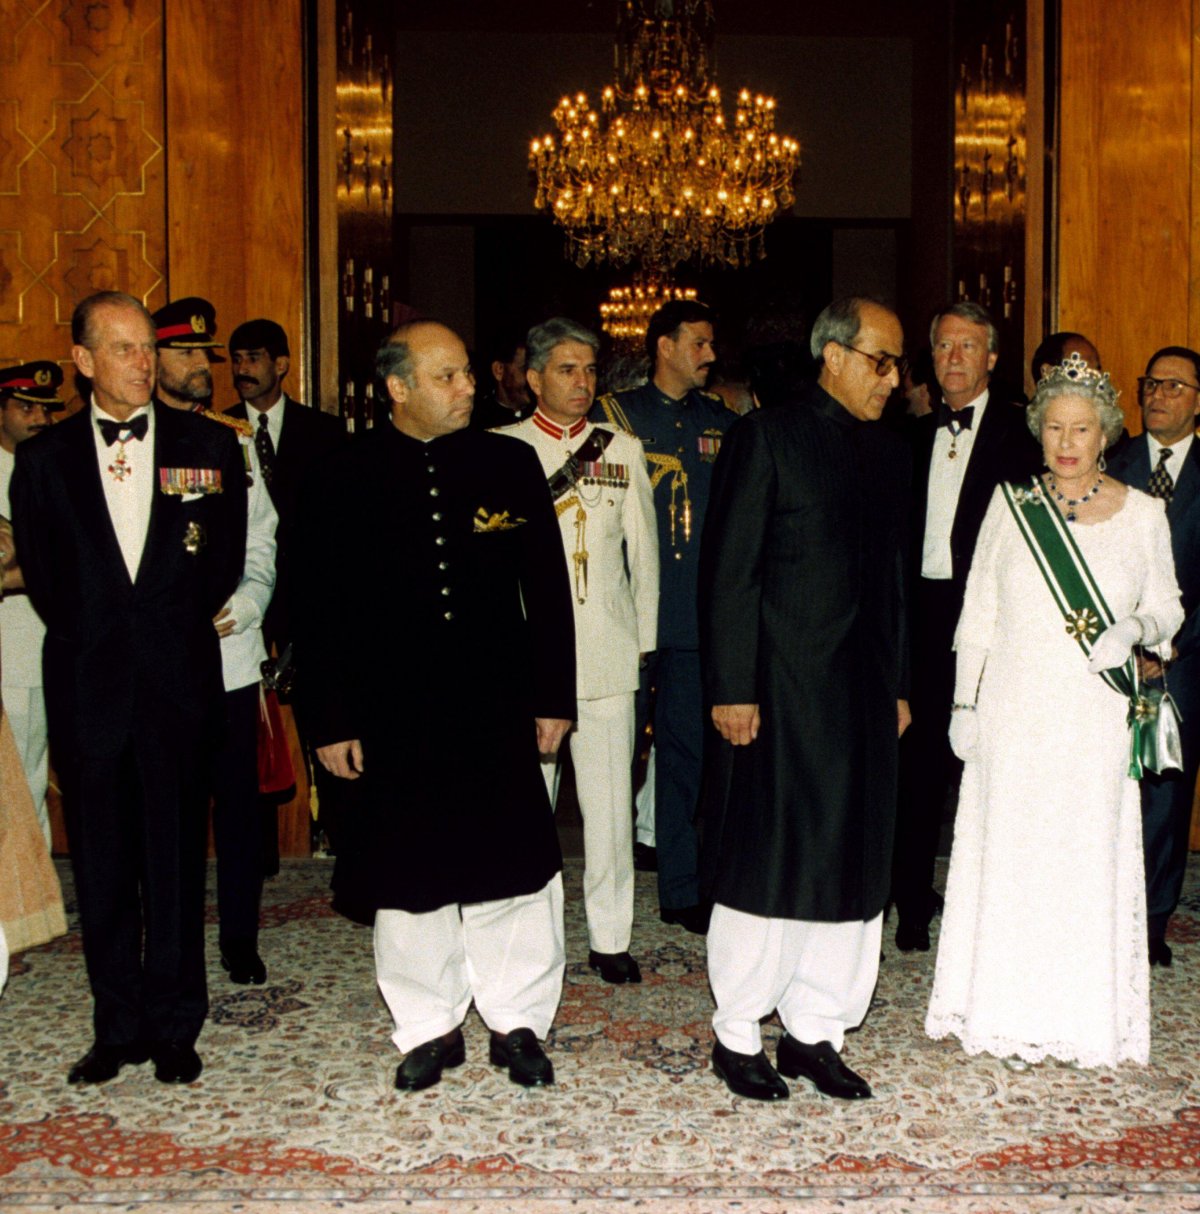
<point x="261" y="335"/>
<point x="186" y="324"/>
<point x="36" y="383"/>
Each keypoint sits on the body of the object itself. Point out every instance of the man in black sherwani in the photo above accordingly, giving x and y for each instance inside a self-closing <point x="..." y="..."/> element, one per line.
<point x="801" y="640"/>
<point x="436" y="637"/>
<point x="130" y="523"/>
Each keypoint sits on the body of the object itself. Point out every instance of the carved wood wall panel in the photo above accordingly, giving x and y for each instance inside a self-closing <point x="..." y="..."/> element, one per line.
<point x="82" y="197"/>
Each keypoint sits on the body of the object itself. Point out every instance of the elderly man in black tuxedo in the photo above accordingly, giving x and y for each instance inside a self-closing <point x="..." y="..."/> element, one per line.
<point x="130" y="520"/>
<point x="801" y="633"/>
<point x="1164" y="461"/>
<point x="961" y="452"/>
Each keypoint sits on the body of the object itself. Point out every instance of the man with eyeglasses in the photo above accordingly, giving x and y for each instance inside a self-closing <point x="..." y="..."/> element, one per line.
<point x="801" y="638"/>
<point x="28" y="396"/>
<point x="1164" y="461"/>
<point x="961" y="452"/>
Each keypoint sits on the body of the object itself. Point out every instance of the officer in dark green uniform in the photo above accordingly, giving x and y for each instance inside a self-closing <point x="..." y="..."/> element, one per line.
<point x="680" y="427"/>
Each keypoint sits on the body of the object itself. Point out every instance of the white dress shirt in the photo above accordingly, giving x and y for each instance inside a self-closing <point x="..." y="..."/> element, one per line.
<point x="128" y="497"/>
<point x="1179" y="453"/>
<point x="274" y="416"/>
<point x="945" y="484"/>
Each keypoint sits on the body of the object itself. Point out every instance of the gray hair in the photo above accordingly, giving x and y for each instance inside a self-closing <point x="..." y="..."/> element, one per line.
<point x="1098" y="393"/>
<point x="542" y="340"/>
<point x="81" y="319"/>
<point x="973" y="312"/>
<point x="839" y="322"/>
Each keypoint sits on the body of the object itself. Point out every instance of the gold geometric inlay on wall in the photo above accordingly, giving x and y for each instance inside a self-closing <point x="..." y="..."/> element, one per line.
<point x="100" y="28"/>
<point x="99" y="261"/>
<point x="82" y="199"/>
<point x="102" y="150"/>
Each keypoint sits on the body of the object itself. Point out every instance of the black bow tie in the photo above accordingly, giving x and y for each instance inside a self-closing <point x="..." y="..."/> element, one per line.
<point x="946" y="415"/>
<point x="111" y="431"/>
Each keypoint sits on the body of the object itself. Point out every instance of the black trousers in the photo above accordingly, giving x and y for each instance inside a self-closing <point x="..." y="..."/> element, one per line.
<point x="136" y="825"/>
<point x="237" y="819"/>
<point x="927" y="764"/>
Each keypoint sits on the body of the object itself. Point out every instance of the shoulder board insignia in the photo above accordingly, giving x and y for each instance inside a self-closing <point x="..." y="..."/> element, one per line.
<point x="713" y="396"/>
<point x="241" y="425"/>
<point x="614" y="414"/>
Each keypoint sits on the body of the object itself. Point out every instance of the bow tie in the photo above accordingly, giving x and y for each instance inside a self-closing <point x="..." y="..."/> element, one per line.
<point x="111" y="431"/>
<point x="946" y="415"/>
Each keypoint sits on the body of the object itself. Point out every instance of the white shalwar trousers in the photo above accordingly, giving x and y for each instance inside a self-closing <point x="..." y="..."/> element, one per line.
<point x="818" y="976"/>
<point x="508" y="955"/>
<point x="602" y="753"/>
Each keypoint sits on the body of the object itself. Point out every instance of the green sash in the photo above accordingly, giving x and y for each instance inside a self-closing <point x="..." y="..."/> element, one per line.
<point x="1083" y="609"/>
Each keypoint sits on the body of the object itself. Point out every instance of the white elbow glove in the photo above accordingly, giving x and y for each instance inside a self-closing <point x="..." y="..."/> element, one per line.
<point x="1114" y="645"/>
<point x="964" y="723"/>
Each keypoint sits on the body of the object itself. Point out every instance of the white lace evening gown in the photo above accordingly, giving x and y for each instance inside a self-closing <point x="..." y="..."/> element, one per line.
<point x="1043" y="941"/>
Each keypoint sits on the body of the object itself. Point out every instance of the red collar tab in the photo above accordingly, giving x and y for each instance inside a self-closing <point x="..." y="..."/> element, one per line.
<point x="546" y="426"/>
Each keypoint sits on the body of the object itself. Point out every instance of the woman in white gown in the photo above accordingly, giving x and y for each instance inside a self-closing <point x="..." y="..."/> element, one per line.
<point x="1043" y="942"/>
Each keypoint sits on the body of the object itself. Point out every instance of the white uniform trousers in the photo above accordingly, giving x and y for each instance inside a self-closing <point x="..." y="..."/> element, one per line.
<point x="602" y="753"/>
<point x="819" y="976"/>
<point x="26" y="708"/>
<point x="645" y="805"/>
<point x="509" y="955"/>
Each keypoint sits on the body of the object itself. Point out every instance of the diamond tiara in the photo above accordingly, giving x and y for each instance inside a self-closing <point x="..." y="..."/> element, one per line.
<point x="1074" y="372"/>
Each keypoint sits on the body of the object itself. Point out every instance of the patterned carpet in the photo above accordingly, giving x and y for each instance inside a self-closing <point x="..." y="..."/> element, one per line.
<point x="296" y="1110"/>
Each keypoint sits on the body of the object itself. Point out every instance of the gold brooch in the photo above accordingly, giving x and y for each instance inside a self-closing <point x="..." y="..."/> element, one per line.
<point x="495" y="522"/>
<point x="1082" y="623"/>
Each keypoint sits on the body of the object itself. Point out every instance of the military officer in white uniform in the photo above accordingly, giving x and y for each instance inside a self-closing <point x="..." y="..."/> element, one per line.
<point x="605" y="506"/>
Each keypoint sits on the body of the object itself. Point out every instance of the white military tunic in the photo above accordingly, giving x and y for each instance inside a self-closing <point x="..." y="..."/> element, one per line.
<point x="609" y="534"/>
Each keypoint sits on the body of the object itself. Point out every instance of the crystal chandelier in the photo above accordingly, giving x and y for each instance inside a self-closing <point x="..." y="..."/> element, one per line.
<point x="626" y="314"/>
<point x="658" y="175"/>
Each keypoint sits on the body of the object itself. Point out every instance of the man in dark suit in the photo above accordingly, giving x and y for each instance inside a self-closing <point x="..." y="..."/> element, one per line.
<point x="130" y="522"/>
<point x="1165" y="462"/>
<point x="961" y="452"/>
<point x="801" y="628"/>
<point x="289" y="438"/>
<point x="441" y="544"/>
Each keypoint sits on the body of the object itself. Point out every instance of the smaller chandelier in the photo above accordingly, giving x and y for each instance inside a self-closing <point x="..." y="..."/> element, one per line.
<point x="657" y="175"/>
<point x="626" y="315"/>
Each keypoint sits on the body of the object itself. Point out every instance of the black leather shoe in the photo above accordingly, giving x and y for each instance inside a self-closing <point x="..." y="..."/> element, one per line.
<point x="103" y="1062"/>
<point x="175" y="1062"/>
<point x="425" y="1063"/>
<point x="912" y="937"/>
<point x="749" y="1075"/>
<point x="523" y="1055"/>
<point x="645" y="858"/>
<point x="241" y="960"/>
<point x="1160" y="953"/>
<point x="823" y="1065"/>
<point x="691" y="918"/>
<point x="615" y="967"/>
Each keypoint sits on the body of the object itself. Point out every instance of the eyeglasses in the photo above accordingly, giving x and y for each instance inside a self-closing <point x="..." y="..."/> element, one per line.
<point x="883" y="362"/>
<point x="1170" y="388"/>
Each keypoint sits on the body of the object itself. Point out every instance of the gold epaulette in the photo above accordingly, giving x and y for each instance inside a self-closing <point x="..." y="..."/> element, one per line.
<point x="715" y="397"/>
<point x="615" y="414"/>
<point x="241" y="425"/>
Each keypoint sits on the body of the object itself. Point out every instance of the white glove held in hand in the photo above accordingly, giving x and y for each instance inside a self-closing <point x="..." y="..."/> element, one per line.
<point x="964" y="734"/>
<point x="1114" y="645"/>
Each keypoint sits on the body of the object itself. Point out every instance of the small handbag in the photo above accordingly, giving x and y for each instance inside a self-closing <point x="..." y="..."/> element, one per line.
<point x="1161" y="744"/>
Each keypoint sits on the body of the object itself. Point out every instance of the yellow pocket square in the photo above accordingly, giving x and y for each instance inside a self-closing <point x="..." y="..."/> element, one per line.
<point x="495" y="522"/>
